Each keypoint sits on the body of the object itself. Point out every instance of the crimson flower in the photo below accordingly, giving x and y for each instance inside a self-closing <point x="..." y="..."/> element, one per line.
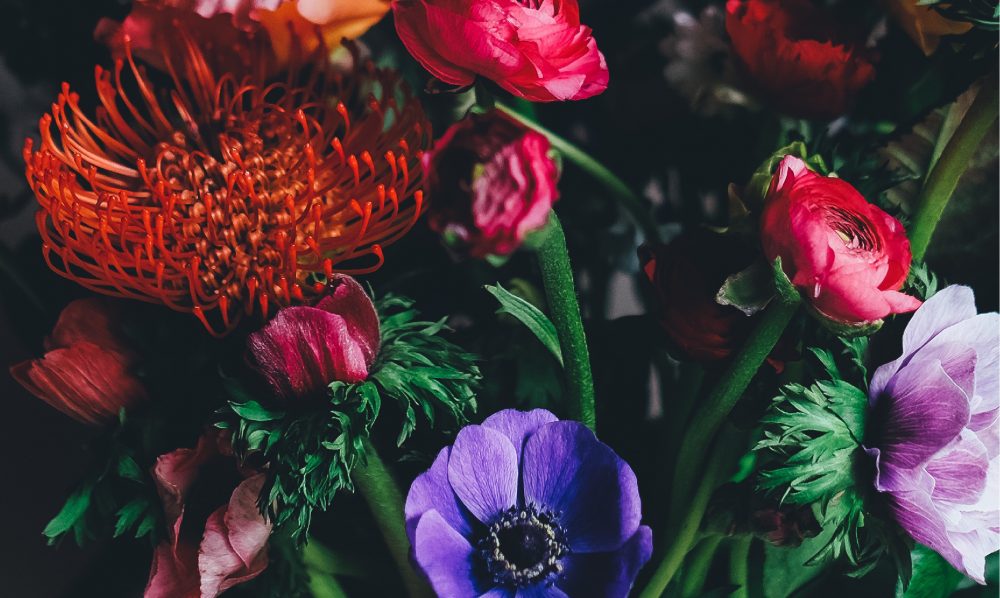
<point x="303" y="349"/>
<point x="848" y="257"/>
<point x="536" y="50"/>
<point x="225" y="193"/>
<point x="87" y="369"/>
<point x="797" y="56"/>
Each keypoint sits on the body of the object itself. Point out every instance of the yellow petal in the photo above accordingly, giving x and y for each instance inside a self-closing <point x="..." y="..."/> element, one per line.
<point x="924" y="25"/>
<point x="335" y="19"/>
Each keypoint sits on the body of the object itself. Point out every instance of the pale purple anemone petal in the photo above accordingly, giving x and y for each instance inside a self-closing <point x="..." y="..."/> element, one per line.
<point x="563" y="462"/>
<point x="482" y="469"/>
<point x="918" y="390"/>
<point x="431" y="490"/>
<point x="934" y="431"/>
<point x="445" y="556"/>
<point x="602" y="574"/>
<point x="518" y="425"/>
<point x="499" y="592"/>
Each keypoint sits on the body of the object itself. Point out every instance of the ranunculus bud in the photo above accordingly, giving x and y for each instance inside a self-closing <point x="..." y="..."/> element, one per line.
<point x="490" y="181"/>
<point x="303" y="349"/>
<point x="216" y="535"/>
<point x="848" y="257"/>
<point x="686" y="275"/>
<point x="87" y="369"/>
<point x="538" y="51"/>
<point x="796" y="57"/>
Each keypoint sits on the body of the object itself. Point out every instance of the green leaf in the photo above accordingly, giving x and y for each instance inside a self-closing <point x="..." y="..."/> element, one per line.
<point x="72" y="512"/>
<point x="932" y="577"/>
<point x="130" y="515"/>
<point x="255" y="412"/>
<point x="748" y="290"/>
<point x="530" y="316"/>
<point x="786" y="569"/>
<point x="128" y="468"/>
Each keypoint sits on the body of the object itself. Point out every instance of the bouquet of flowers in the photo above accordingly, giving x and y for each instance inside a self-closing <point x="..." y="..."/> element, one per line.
<point x="300" y="278"/>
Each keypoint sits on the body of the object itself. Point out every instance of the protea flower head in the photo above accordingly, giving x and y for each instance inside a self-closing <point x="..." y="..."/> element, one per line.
<point x="222" y="192"/>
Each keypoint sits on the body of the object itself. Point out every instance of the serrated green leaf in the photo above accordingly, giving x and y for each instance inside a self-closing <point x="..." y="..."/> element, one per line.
<point x="71" y="513"/>
<point x="129" y="515"/>
<point x="128" y="468"/>
<point x="529" y="315"/>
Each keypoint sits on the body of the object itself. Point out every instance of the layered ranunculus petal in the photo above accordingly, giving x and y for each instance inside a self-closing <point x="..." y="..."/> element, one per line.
<point x="611" y="575"/>
<point x="537" y="51"/>
<point x="848" y="258"/>
<point x="483" y="470"/>
<point x="563" y="461"/>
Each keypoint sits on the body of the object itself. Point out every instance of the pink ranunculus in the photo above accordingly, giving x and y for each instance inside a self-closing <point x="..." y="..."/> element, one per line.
<point x="202" y="558"/>
<point x="847" y="256"/>
<point x="490" y="181"/>
<point x="535" y="50"/>
<point x="303" y="349"/>
<point x="86" y="371"/>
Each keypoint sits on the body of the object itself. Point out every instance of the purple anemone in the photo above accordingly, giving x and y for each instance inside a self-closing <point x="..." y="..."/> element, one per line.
<point x="527" y="506"/>
<point x="933" y="431"/>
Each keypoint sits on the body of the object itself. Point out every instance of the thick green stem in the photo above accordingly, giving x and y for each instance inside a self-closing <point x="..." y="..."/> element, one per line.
<point x="564" y="310"/>
<point x="725" y="393"/>
<point x="681" y="536"/>
<point x="698" y="565"/>
<point x="322" y="582"/>
<point x="375" y="483"/>
<point x="629" y="201"/>
<point x="944" y="175"/>
<point x="739" y="566"/>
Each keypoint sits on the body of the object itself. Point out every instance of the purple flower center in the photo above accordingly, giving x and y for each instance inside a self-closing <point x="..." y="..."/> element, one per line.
<point x="523" y="547"/>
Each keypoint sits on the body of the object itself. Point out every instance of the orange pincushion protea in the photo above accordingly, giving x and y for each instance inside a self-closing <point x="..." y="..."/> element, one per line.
<point x="227" y="194"/>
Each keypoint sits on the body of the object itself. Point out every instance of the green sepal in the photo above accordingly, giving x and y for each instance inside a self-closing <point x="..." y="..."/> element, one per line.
<point x="529" y="315"/>
<point x="749" y="290"/>
<point x="760" y="180"/>
<point x="846" y="329"/>
<point x="311" y="450"/>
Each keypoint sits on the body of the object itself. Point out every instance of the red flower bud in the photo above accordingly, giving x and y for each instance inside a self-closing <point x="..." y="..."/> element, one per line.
<point x="491" y="182"/>
<point x="686" y="275"/>
<point x="86" y="371"/>
<point x="535" y="50"/>
<point x="848" y="257"/>
<point x="303" y="349"/>
<point x="796" y="57"/>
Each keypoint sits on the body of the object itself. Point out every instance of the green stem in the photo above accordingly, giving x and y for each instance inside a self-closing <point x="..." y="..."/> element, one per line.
<point x="697" y="570"/>
<point x="557" y="278"/>
<point x="322" y="582"/>
<point x="944" y="175"/>
<point x="621" y="192"/>
<point x="727" y="391"/>
<point x="379" y="489"/>
<point x="681" y="536"/>
<point x="739" y="566"/>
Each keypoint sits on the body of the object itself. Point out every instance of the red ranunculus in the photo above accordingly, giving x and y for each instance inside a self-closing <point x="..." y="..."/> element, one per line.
<point x="686" y="275"/>
<point x="491" y="181"/>
<point x="848" y="257"/>
<point x="303" y="349"/>
<point x="535" y="50"/>
<point x="797" y="57"/>
<point x="216" y="535"/>
<point x="87" y="369"/>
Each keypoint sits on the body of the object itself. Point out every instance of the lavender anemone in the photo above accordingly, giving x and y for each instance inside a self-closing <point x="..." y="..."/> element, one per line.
<point x="526" y="505"/>
<point x="933" y="430"/>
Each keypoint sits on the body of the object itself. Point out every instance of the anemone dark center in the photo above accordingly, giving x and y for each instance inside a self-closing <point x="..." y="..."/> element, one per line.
<point x="523" y="547"/>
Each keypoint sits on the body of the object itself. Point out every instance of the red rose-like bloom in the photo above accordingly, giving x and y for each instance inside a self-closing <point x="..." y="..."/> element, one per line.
<point x="86" y="370"/>
<point x="686" y="274"/>
<point x="848" y="257"/>
<point x="536" y="50"/>
<point x="492" y="182"/>
<point x="303" y="349"/>
<point x="205" y="556"/>
<point x="796" y="57"/>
